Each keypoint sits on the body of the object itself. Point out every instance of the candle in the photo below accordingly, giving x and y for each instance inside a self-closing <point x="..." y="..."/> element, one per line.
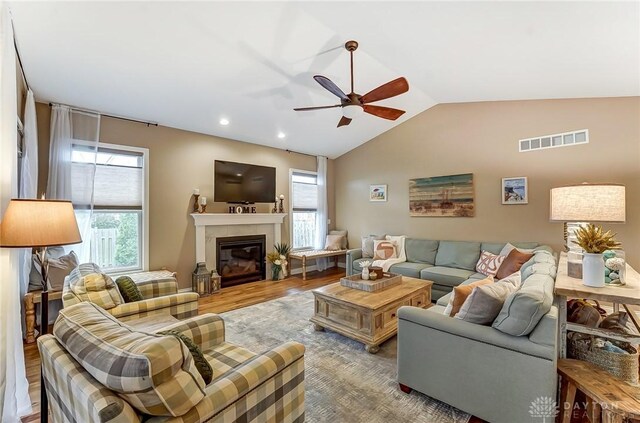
<point x="203" y="201"/>
<point x="282" y="196"/>
<point x="196" y="191"/>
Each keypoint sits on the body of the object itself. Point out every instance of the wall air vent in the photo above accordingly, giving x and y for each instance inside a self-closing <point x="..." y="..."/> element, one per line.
<point x="556" y="140"/>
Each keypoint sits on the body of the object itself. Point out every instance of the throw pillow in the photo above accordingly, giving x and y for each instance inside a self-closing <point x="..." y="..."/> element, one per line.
<point x="489" y="263"/>
<point x="35" y="275"/>
<point x="484" y="303"/>
<point x="510" y="247"/>
<point x="512" y="263"/>
<point x="384" y="250"/>
<point x="203" y="366"/>
<point x="97" y="288"/>
<point x="59" y="268"/>
<point x="367" y="245"/>
<point x="333" y="242"/>
<point x="460" y="294"/>
<point x="345" y="238"/>
<point x="128" y="289"/>
<point x="514" y="279"/>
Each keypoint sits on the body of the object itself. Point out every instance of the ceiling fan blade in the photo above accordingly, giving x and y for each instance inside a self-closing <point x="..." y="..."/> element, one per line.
<point x="388" y="90"/>
<point x="383" y="112"/>
<point x="302" y="109"/>
<point x="344" y="121"/>
<point x="330" y="86"/>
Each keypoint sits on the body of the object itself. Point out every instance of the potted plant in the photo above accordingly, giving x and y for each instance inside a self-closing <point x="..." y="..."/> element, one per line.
<point x="594" y="241"/>
<point x="283" y="250"/>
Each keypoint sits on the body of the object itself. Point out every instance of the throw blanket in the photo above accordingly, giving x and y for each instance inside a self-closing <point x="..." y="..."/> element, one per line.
<point x="402" y="257"/>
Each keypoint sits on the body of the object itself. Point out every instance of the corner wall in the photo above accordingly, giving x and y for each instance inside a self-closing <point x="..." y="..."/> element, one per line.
<point x="482" y="138"/>
<point x="180" y="161"/>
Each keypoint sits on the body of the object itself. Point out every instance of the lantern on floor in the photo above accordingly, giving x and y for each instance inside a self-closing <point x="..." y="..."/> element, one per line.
<point x="216" y="282"/>
<point x="201" y="280"/>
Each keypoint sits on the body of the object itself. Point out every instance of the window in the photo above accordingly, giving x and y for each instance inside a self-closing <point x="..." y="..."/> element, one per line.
<point x="304" y="209"/>
<point x="118" y="225"/>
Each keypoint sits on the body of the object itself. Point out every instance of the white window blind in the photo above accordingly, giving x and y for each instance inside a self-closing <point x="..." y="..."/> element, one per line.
<point x="118" y="180"/>
<point x="305" y="192"/>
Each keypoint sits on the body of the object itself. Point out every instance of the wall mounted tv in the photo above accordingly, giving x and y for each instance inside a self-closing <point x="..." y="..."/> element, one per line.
<point x="243" y="183"/>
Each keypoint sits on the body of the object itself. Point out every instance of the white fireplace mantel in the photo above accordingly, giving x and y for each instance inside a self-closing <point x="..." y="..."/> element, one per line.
<point x="202" y="220"/>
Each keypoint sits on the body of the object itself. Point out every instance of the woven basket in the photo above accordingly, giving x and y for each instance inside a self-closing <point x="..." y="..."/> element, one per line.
<point x="622" y="366"/>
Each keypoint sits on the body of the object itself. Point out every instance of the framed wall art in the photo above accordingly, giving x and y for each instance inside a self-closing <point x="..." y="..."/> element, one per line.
<point x="377" y="193"/>
<point x="442" y="196"/>
<point x="515" y="190"/>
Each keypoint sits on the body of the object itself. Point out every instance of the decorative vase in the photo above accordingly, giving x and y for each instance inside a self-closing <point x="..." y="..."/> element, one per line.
<point x="593" y="270"/>
<point x="275" y="272"/>
<point x="285" y="271"/>
<point x="365" y="273"/>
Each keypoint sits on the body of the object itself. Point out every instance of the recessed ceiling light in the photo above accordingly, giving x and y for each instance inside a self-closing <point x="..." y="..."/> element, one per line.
<point x="224" y="122"/>
<point x="281" y="135"/>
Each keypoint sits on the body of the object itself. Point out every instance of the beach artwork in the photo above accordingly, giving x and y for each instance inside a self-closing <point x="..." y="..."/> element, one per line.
<point x="442" y="196"/>
<point x="514" y="190"/>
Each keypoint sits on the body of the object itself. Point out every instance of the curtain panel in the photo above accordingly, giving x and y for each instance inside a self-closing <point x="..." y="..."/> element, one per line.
<point x="323" y="212"/>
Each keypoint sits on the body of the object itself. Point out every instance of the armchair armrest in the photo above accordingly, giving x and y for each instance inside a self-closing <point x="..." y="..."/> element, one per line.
<point x="206" y="330"/>
<point x="474" y="332"/>
<point x="269" y="384"/>
<point x="157" y="288"/>
<point x="177" y="305"/>
<point x="352" y="255"/>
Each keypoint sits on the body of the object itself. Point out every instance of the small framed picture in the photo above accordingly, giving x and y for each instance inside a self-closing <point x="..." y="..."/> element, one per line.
<point x="515" y="190"/>
<point x="377" y="193"/>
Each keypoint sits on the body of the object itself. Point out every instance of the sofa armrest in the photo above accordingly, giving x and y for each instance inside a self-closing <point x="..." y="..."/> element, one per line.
<point x="157" y="288"/>
<point x="178" y="305"/>
<point x="269" y="384"/>
<point x="546" y="332"/>
<point x="474" y="332"/>
<point x="206" y="330"/>
<point x="352" y="255"/>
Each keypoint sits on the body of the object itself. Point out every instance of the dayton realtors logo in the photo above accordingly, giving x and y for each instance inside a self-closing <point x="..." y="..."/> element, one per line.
<point x="544" y="408"/>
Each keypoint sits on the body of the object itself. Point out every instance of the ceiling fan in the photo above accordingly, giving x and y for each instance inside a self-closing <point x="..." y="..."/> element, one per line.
<point x="353" y="104"/>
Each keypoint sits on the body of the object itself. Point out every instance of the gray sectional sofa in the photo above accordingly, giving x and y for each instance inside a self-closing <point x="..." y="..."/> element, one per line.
<point x="492" y="372"/>
<point x="446" y="263"/>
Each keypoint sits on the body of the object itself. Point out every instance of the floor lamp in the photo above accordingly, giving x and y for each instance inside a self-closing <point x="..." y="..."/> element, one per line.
<point x="40" y="224"/>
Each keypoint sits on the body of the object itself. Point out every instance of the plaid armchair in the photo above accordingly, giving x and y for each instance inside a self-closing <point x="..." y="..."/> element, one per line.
<point x="159" y="289"/>
<point x="132" y="376"/>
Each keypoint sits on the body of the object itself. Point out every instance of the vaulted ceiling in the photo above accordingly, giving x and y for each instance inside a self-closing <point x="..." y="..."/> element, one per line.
<point x="190" y="64"/>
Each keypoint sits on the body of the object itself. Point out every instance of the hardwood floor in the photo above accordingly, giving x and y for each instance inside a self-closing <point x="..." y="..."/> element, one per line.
<point x="227" y="299"/>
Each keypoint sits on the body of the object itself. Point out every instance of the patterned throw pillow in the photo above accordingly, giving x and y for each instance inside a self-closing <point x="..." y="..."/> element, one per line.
<point x="384" y="250"/>
<point x="489" y="263"/>
<point x="203" y="366"/>
<point x="128" y="289"/>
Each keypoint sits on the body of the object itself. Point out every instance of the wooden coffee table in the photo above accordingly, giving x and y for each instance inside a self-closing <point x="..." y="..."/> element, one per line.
<point x="368" y="317"/>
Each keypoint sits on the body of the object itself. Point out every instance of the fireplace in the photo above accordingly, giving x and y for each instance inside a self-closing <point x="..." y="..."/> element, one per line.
<point x="241" y="259"/>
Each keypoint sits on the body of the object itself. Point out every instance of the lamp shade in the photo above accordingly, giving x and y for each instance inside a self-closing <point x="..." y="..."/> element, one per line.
<point x="38" y="223"/>
<point x="588" y="203"/>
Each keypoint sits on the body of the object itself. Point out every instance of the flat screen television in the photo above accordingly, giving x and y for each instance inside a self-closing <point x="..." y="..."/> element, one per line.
<point x="243" y="183"/>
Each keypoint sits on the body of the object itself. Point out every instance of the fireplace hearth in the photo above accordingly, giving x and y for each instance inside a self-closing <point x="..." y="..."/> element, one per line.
<point x="241" y="259"/>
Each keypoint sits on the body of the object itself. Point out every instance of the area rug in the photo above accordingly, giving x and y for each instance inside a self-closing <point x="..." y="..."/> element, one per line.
<point x="343" y="382"/>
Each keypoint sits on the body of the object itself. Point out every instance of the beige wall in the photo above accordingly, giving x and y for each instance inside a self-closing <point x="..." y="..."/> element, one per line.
<point x="482" y="138"/>
<point x="178" y="162"/>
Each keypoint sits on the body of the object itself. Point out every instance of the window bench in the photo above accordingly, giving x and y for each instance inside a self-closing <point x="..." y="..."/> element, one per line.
<point x="315" y="254"/>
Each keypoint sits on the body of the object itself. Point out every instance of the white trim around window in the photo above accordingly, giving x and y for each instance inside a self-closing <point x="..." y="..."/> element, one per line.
<point x="291" y="172"/>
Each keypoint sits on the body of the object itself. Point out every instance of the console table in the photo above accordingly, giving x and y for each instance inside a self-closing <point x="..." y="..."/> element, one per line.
<point x="568" y="287"/>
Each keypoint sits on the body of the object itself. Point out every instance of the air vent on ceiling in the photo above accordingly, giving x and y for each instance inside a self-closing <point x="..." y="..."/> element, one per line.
<point x="556" y="140"/>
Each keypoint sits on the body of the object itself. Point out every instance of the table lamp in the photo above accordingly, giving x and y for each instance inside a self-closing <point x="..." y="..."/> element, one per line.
<point x="39" y="224"/>
<point x="576" y="205"/>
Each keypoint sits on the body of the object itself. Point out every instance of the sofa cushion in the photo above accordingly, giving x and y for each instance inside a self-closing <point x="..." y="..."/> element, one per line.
<point x="409" y="269"/>
<point x="523" y="309"/>
<point x="421" y="250"/>
<point x="225" y="356"/>
<point x="458" y="254"/>
<point x="447" y="276"/>
<point x="155" y="374"/>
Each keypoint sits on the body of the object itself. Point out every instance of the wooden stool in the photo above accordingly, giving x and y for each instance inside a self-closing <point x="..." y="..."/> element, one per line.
<point x="609" y="400"/>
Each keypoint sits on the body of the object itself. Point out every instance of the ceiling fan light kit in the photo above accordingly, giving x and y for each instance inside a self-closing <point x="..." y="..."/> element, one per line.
<point x="353" y="104"/>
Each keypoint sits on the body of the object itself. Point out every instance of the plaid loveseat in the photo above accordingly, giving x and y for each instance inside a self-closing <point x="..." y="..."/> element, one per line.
<point x="98" y="369"/>
<point x="160" y="292"/>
